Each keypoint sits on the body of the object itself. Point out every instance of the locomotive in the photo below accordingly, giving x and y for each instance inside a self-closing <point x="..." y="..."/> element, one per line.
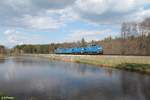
<point x="90" y="49"/>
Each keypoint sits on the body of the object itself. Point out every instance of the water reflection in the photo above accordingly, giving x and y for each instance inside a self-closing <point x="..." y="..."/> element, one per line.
<point x="2" y="60"/>
<point x="140" y="86"/>
<point x="41" y="79"/>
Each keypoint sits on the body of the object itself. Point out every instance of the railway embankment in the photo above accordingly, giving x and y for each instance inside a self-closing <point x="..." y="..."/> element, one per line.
<point x="139" y="64"/>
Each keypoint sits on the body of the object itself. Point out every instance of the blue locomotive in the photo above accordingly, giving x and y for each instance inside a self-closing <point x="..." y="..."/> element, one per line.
<point x="91" y="49"/>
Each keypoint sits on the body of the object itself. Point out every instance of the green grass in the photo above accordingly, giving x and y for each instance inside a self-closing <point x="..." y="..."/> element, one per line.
<point x="6" y="97"/>
<point x="142" y="68"/>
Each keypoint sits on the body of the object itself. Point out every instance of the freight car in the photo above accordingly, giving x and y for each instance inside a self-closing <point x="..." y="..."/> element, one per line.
<point x="91" y="49"/>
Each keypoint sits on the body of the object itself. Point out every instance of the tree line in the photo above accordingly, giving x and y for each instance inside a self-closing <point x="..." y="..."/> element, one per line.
<point x="46" y="48"/>
<point x="136" y="38"/>
<point x="133" y="40"/>
<point x="2" y="50"/>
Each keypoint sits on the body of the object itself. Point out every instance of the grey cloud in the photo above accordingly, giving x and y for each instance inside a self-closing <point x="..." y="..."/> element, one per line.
<point x="111" y="11"/>
<point x="53" y="4"/>
<point x="28" y="6"/>
<point x="12" y="11"/>
<point x="107" y="17"/>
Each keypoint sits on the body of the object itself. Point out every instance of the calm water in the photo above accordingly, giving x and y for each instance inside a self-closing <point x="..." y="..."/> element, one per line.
<point x="29" y="78"/>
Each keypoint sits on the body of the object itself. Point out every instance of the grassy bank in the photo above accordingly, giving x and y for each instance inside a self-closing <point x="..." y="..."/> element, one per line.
<point x="132" y="63"/>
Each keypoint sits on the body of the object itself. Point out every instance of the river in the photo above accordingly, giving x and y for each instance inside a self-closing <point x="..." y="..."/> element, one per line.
<point x="31" y="78"/>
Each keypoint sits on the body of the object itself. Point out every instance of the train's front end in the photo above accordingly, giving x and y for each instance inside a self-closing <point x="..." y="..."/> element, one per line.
<point x="93" y="49"/>
<point x="99" y="49"/>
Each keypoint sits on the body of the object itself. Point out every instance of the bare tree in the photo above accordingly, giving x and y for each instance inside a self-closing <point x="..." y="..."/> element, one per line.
<point x="83" y="42"/>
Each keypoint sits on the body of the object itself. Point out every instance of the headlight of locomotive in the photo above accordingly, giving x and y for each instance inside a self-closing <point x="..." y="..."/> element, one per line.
<point x="99" y="48"/>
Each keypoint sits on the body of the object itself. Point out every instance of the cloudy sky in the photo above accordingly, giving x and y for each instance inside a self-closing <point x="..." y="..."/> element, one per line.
<point x="46" y="21"/>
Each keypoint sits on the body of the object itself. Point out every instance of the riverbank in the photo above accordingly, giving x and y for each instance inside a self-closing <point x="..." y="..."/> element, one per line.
<point x="132" y="63"/>
<point x="2" y="56"/>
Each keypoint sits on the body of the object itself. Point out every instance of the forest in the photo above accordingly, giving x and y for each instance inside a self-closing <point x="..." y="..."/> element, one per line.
<point x="2" y="50"/>
<point x="133" y="40"/>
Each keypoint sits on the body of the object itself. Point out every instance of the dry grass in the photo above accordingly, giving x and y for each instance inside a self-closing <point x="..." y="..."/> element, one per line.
<point x="133" y="63"/>
<point x="2" y="56"/>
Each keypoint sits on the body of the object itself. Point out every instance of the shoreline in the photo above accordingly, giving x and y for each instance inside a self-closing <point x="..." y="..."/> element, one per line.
<point x="140" y="64"/>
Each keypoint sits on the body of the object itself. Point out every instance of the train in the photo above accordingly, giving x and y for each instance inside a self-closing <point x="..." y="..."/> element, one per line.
<point x="90" y="49"/>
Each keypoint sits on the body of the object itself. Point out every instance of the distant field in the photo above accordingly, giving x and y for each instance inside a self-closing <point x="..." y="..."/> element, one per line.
<point x="132" y="63"/>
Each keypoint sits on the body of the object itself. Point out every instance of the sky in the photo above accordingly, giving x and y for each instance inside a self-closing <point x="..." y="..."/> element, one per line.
<point x="56" y="21"/>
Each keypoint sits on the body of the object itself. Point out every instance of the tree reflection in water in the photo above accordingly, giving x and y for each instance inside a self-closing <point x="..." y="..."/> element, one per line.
<point x="41" y="79"/>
